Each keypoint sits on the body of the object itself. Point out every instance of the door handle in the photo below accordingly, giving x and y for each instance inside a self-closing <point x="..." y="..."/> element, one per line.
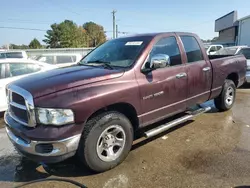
<point x="206" y="69"/>
<point x="181" y="75"/>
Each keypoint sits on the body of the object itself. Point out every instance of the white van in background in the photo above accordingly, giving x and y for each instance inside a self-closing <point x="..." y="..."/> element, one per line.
<point x="13" y="54"/>
<point x="60" y="60"/>
<point x="212" y="49"/>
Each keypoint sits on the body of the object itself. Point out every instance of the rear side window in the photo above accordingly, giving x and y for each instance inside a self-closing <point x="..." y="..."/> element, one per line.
<point x="14" y="55"/>
<point x="167" y="46"/>
<point x="2" y="55"/>
<point x="46" y="59"/>
<point x="18" y="69"/>
<point x="219" y="47"/>
<point x="192" y="49"/>
<point x="64" y="59"/>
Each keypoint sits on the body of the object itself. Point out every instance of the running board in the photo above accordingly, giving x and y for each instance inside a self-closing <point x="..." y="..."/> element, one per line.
<point x="175" y="122"/>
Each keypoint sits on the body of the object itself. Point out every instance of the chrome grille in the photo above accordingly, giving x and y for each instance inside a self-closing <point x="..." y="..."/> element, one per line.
<point x="21" y="106"/>
<point x="18" y="99"/>
<point x="20" y="113"/>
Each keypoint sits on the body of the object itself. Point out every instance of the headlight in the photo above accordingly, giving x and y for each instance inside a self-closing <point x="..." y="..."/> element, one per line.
<point x="54" y="116"/>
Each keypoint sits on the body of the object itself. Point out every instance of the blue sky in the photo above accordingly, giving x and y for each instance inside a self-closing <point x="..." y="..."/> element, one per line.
<point x="134" y="16"/>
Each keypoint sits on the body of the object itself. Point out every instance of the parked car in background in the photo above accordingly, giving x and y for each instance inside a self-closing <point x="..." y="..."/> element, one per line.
<point x="229" y="50"/>
<point x="246" y="52"/>
<point x="60" y="60"/>
<point x="212" y="49"/>
<point x="13" y="54"/>
<point x="14" y="69"/>
<point x="93" y="109"/>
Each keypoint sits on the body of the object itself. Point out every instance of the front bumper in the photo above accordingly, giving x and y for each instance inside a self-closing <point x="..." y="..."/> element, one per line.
<point x="248" y="77"/>
<point x="44" y="151"/>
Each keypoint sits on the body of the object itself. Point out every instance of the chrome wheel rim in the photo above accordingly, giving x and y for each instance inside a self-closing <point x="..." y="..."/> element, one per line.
<point x="111" y="143"/>
<point x="229" y="96"/>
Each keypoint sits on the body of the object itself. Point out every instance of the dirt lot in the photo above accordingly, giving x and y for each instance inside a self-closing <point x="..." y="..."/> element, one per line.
<point x="212" y="151"/>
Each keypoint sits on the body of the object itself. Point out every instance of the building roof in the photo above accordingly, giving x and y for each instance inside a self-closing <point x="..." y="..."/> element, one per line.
<point x="226" y="15"/>
<point x="244" y="18"/>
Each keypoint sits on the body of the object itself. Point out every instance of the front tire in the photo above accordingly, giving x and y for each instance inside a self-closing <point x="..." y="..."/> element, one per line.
<point x="226" y="99"/>
<point x="106" y="141"/>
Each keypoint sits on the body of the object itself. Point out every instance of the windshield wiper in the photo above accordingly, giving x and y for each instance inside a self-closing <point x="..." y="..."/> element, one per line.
<point x="99" y="62"/>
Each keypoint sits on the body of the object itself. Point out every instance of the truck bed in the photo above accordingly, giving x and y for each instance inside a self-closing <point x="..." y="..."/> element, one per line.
<point x="218" y="56"/>
<point x="224" y="65"/>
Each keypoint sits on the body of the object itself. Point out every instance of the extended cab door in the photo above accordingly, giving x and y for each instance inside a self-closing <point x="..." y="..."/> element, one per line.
<point x="198" y="71"/>
<point x="163" y="90"/>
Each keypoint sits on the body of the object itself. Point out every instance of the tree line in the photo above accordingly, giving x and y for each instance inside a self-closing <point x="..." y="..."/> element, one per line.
<point x="68" y="34"/>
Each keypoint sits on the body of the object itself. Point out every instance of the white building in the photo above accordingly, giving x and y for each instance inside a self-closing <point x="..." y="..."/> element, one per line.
<point x="244" y="31"/>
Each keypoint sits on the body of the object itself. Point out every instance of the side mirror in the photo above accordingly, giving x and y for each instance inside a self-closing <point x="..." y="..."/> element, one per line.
<point x="156" y="62"/>
<point x="212" y="50"/>
<point x="159" y="61"/>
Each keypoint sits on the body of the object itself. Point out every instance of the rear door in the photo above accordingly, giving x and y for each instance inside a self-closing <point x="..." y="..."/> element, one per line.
<point x="163" y="91"/>
<point x="198" y="71"/>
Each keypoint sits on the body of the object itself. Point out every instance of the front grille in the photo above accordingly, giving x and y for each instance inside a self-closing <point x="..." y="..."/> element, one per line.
<point x="19" y="113"/>
<point x="18" y="99"/>
<point x="21" y="106"/>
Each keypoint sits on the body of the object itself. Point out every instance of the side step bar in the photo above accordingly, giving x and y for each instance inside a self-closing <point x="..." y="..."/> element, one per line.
<point x="175" y="122"/>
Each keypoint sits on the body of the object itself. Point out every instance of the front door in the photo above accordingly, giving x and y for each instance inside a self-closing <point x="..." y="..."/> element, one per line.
<point x="199" y="72"/>
<point x="164" y="90"/>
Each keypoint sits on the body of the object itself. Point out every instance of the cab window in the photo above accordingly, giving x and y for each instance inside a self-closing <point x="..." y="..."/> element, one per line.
<point x="167" y="46"/>
<point x="192" y="49"/>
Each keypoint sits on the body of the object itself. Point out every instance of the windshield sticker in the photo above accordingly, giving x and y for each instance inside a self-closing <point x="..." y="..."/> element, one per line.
<point x="134" y="43"/>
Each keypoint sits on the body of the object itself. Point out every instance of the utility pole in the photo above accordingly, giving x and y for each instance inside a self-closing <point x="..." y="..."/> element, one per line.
<point x="116" y="31"/>
<point x="113" y="13"/>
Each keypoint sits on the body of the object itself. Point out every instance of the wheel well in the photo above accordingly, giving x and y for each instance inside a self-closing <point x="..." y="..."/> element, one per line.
<point x="127" y="109"/>
<point x="234" y="77"/>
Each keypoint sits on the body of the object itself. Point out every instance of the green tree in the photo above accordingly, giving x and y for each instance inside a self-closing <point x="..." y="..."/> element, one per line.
<point x="66" y="35"/>
<point x="35" y="44"/>
<point x="95" y="33"/>
<point x="14" y="46"/>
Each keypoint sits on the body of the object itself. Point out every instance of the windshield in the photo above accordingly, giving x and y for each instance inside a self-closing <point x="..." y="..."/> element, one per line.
<point x="226" y="51"/>
<point x="118" y="53"/>
<point x="245" y="52"/>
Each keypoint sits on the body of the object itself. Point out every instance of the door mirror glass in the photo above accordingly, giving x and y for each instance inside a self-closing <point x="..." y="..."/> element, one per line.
<point x="159" y="61"/>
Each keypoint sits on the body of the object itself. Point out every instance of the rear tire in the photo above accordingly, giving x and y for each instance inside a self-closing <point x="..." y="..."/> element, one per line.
<point x="226" y="99"/>
<point x="106" y="141"/>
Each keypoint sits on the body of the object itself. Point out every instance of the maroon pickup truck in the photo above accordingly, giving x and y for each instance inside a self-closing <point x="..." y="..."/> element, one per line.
<point x="93" y="109"/>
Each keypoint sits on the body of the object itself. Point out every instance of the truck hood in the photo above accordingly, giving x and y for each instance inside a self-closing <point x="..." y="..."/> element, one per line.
<point x="64" y="78"/>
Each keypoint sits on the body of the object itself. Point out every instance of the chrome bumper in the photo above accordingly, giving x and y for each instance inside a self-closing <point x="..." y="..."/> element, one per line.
<point x="248" y="77"/>
<point x="60" y="147"/>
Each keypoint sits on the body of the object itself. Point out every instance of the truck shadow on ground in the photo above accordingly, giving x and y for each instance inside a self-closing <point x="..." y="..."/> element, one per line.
<point x="140" y="134"/>
<point x="245" y="86"/>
